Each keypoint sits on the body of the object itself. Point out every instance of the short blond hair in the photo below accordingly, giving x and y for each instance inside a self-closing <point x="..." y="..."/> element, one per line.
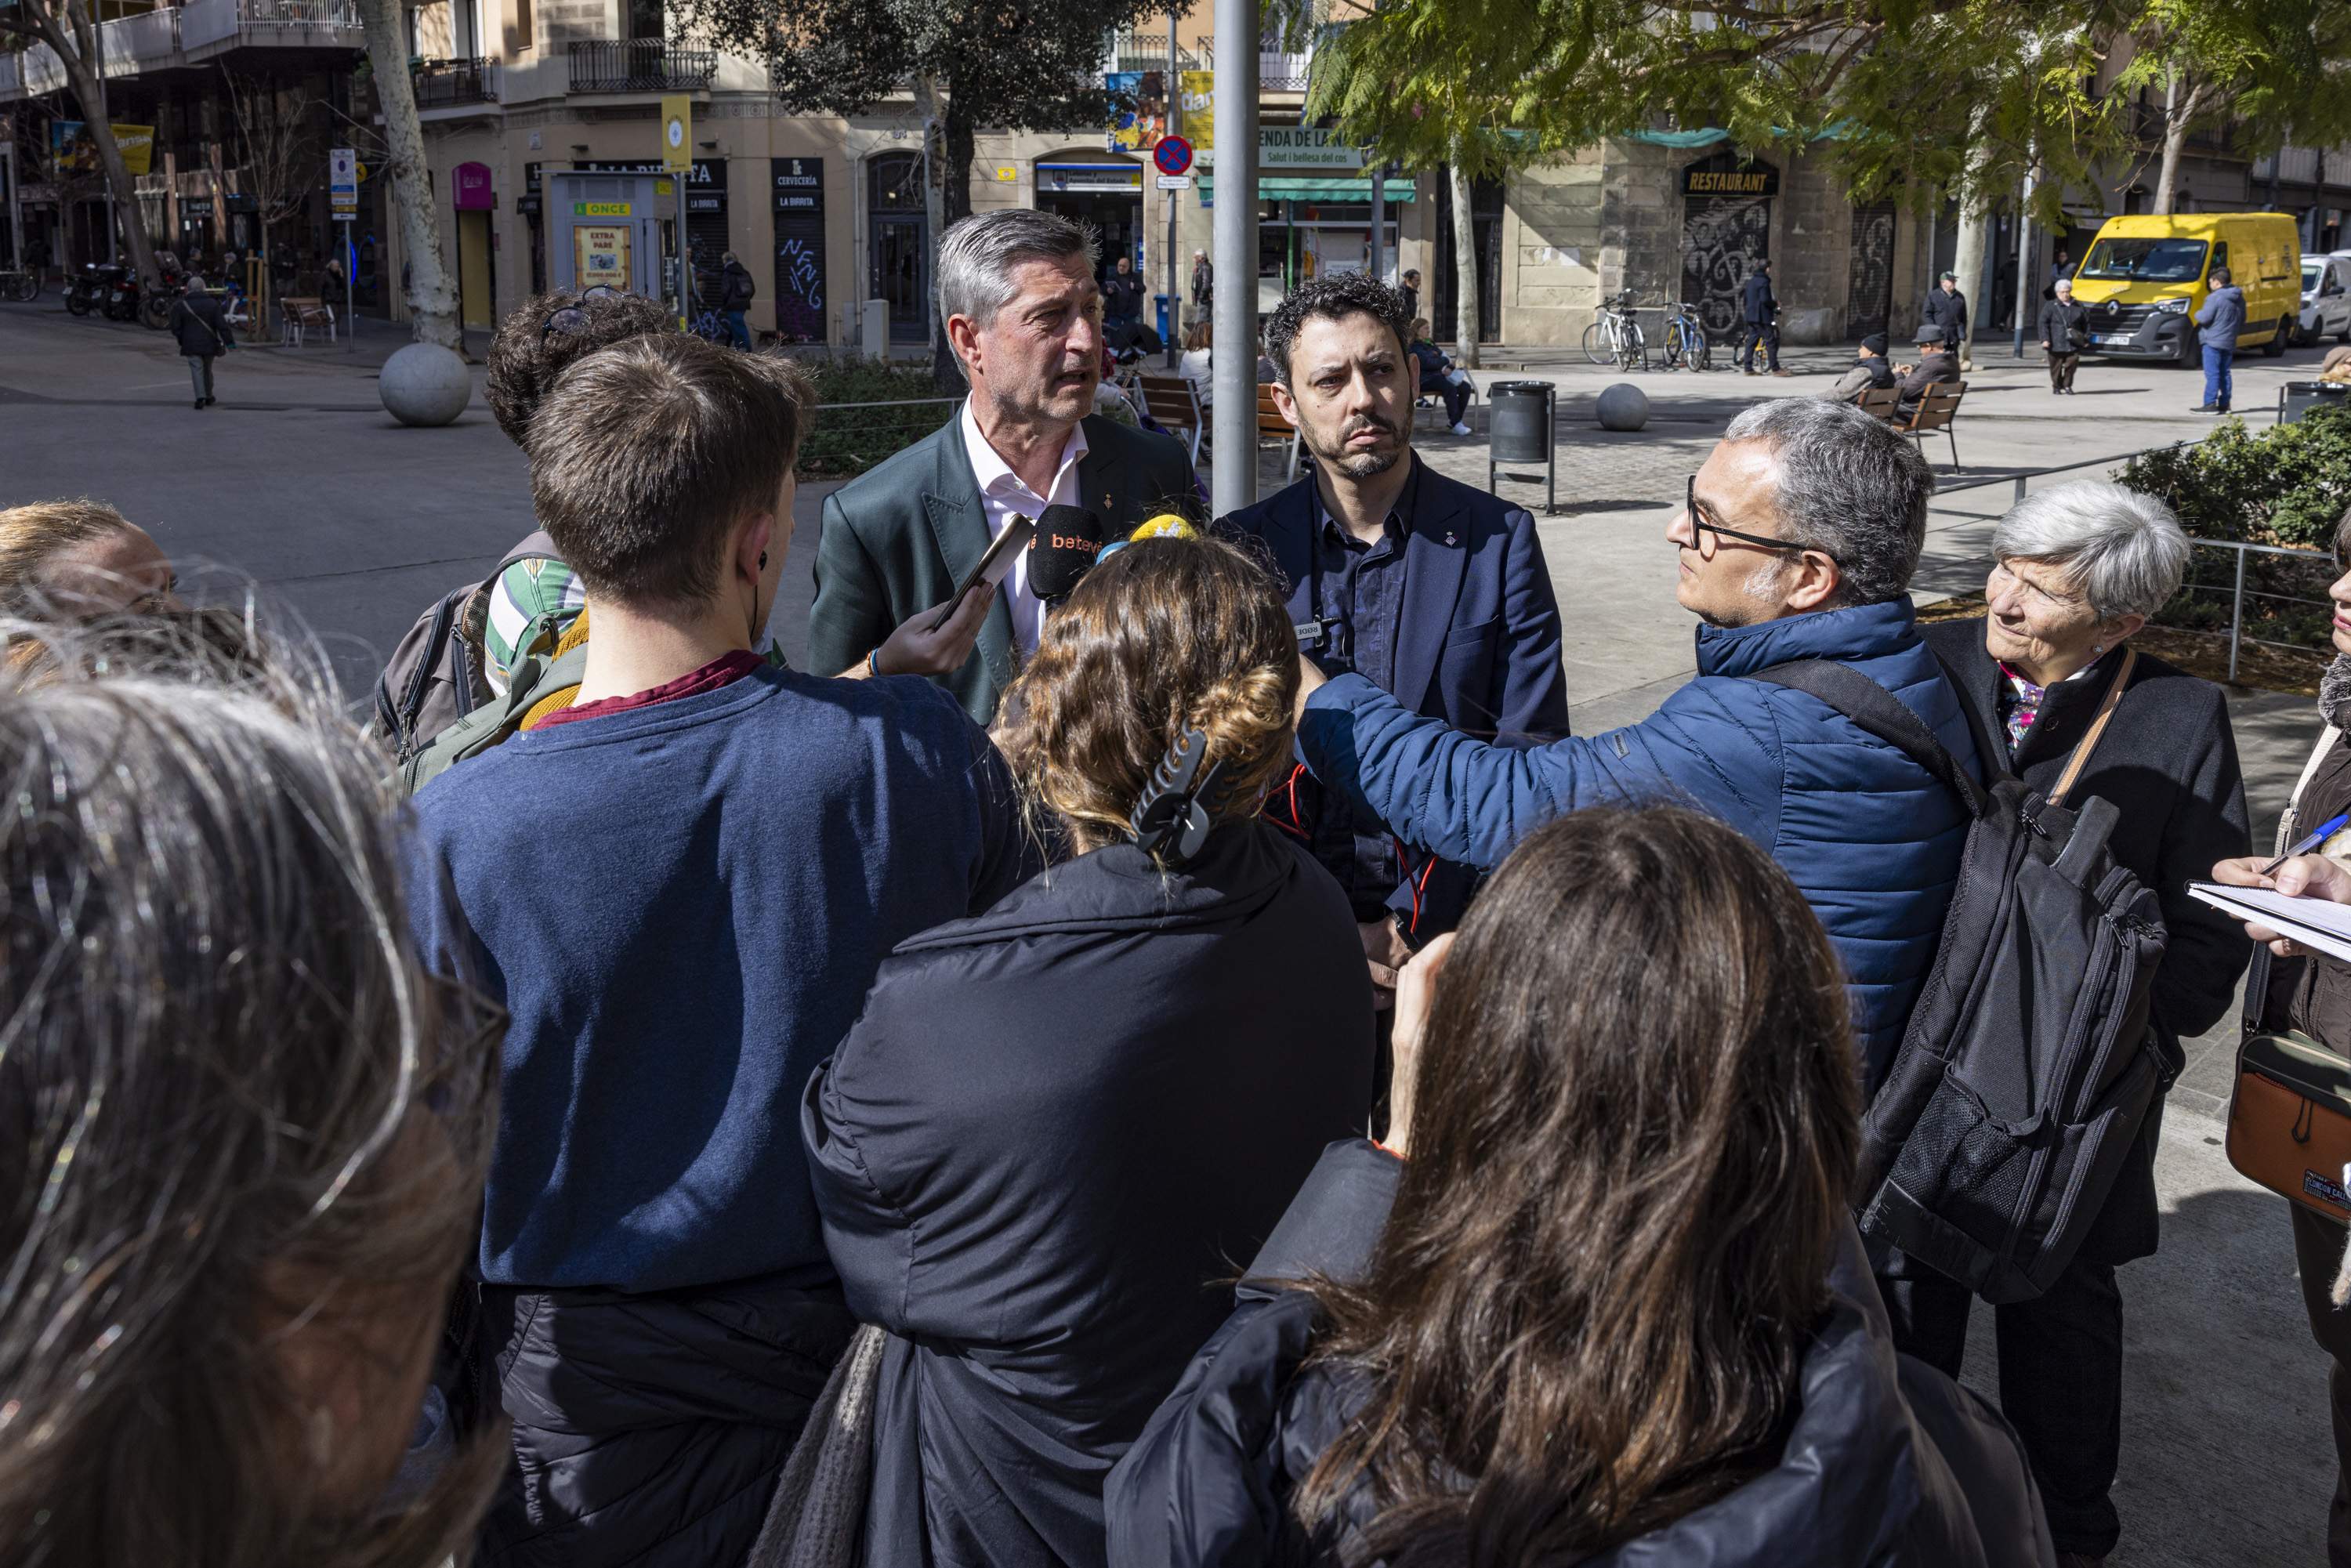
<point x="35" y="534"/>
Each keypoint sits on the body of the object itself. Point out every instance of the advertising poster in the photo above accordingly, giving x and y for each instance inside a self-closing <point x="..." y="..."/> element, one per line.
<point x="1138" y="109"/>
<point x="1199" y="109"/>
<point x="600" y="252"/>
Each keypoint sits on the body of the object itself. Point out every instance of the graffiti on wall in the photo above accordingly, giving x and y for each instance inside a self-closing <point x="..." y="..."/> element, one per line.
<point x="1722" y="238"/>
<point x="1869" y="293"/>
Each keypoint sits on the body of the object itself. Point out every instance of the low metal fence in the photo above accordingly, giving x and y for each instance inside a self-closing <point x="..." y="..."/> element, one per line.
<point x="2311" y="565"/>
<point x="851" y="437"/>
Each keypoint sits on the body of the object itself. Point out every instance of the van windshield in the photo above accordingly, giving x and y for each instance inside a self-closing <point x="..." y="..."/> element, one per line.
<point x="2146" y="260"/>
<point x="2311" y="273"/>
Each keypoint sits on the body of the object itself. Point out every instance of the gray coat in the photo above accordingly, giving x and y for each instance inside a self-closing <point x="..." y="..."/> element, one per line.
<point x="2221" y="317"/>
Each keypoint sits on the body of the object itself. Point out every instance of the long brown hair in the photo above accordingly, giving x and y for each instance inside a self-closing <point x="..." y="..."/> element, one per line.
<point x="1639" y="1121"/>
<point x="1166" y="636"/>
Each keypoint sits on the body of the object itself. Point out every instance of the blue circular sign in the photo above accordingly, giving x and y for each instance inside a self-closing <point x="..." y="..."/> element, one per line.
<point x="1173" y="155"/>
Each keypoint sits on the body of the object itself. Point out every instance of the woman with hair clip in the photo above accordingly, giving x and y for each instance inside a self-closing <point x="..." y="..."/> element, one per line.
<point x="1597" y="1300"/>
<point x="1059" y="1124"/>
<point x="245" y="1133"/>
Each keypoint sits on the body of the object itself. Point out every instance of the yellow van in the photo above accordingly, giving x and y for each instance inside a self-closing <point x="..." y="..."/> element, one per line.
<point x="2145" y="278"/>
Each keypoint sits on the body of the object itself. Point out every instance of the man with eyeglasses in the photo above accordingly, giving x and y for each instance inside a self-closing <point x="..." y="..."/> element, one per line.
<point x="1795" y="541"/>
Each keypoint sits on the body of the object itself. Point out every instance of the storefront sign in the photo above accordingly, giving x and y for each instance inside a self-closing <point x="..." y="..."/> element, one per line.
<point x="1089" y="177"/>
<point x="599" y="209"/>
<point x="1708" y="179"/>
<point x="799" y="184"/>
<point x="600" y="252"/>
<point x="677" y="132"/>
<point x="195" y="209"/>
<point x="707" y="172"/>
<point x="473" y="191"/>
<point x="1288" y="147"/>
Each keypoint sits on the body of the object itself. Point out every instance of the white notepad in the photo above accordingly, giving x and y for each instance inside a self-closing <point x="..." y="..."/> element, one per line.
<point x="2315" y="923"/>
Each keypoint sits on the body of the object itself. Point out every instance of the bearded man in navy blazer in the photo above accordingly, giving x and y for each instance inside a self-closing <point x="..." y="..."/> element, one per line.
<point x="1433" y="591"/>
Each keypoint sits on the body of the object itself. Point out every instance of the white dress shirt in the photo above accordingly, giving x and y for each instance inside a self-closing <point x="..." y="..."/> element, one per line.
<point x="1002" y="494"/>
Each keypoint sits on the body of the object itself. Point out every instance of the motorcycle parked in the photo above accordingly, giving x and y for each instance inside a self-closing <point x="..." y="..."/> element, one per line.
<point x="89" y="288"/>
<point x="122" y="294"/>
<point x="155" y="308"/>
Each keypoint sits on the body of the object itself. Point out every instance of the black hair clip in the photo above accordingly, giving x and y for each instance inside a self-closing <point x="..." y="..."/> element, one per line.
<point x="1170" y="817"/>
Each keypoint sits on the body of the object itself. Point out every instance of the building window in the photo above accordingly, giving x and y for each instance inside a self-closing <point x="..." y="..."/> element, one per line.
<point x="522" y="25"/>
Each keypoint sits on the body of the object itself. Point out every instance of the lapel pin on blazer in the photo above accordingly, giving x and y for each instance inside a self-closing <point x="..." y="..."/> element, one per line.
<point x="1450" y="538"/>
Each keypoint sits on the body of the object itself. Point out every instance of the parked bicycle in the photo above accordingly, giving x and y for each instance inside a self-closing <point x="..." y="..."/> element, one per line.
<point x="20" y="288"/>
<point x="1686" y="348"/>
<point x="1615" y="337"/>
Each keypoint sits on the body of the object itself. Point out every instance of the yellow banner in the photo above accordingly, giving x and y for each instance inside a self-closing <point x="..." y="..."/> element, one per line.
<point x="1199" y="124"/>
<point x="677" y="132"/>
<point x="137" y="145"/>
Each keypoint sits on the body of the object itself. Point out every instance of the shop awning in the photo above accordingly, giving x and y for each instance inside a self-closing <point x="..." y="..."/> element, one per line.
<point x="1281" y="188"/>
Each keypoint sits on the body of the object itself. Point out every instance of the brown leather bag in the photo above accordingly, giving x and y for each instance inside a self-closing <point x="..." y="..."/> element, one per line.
<point x="2290" y="1120"/>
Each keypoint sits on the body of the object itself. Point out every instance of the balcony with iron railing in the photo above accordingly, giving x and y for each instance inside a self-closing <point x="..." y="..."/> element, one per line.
<point x="447" y="84"/>
<point x="639" y="65"/>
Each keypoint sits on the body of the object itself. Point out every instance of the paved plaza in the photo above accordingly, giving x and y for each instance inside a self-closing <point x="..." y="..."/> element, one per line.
<point x="299" y="486"/>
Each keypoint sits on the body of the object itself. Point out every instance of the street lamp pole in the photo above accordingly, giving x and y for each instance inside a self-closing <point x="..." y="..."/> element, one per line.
<point x="1234" y="363"/>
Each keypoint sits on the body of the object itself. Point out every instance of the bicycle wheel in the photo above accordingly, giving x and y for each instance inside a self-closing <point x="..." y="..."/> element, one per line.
<point x="1671" y="357"/>
<point x="1632" y="349"/>
<point x="1701" y="353"/>
<point x="1597" y="347"/>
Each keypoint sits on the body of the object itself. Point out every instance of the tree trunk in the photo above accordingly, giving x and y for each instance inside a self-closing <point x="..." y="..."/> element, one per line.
<point x="2179" y="110"/>
<point x="1465" y="266"/>
<point x="1968" y="257"/>
<point x="73" y="37"/>
<point x="432" y="301"/>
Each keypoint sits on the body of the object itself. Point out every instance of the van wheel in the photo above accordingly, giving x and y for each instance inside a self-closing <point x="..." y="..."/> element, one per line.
<point x="2344" y="335"/>
<point x="2279" y="339"/>
<point x="2191" y="354"/>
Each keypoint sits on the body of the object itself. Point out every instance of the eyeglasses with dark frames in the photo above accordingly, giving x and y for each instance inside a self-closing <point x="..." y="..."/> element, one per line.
<point x="1702" y="524"/>
<point x="574" y="317"/>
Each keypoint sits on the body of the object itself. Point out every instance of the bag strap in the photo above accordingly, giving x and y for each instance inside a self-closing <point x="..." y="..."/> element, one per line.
<point x="2089" y="741"/>
<point x="1882" y="714"/>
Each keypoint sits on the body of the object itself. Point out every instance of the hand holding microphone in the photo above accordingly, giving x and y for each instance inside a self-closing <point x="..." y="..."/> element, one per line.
<point x="1067" y="542"/>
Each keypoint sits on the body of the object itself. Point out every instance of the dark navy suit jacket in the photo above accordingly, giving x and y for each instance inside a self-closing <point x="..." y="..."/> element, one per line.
<point x="1478" y="640"/>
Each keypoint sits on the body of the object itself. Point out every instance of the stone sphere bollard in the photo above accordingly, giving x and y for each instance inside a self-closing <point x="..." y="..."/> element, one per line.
<point x="1623" y="407"/>
<point x="425" y="383"/>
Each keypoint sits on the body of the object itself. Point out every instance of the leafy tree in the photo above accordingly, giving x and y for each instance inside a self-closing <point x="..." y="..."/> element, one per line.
<point x="70" y="28"/>
<point x="1027" y="65"/>
<point x="2274" y="65"/>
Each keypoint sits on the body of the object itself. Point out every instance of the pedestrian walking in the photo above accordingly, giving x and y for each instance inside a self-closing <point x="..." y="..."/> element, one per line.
<point x="2219" y="320"/>
<point x="1204" y="284"/>
<point x="1411" y="282"/>
<point x="2064" y="333"/>
<point x="735" y="292"/>
<point x="1945" y="310"/>
<point x="201" y="324"/>
<point x="1761" y="309"/>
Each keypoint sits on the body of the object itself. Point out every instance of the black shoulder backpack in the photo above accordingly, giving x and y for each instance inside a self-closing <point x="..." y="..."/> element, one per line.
<point x="435" y="676"/>
<point x="2028" y="1065"/>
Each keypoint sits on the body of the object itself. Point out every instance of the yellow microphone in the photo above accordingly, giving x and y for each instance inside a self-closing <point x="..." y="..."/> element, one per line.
<point x="1165" y="525"/>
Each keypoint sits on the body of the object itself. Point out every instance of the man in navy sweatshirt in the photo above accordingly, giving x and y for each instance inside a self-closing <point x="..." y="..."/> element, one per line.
<point x="680" y="888"/>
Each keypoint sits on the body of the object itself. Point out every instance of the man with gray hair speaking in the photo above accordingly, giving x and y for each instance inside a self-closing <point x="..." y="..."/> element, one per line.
<point x="1796" y="542"/>
<point x="1024" y="318"/>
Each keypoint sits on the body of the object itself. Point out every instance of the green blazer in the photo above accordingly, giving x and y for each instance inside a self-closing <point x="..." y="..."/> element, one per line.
<point x="898" y="539"/>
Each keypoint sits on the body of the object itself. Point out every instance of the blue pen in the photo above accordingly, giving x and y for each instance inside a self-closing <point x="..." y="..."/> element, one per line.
<point x="2326" y="831"/>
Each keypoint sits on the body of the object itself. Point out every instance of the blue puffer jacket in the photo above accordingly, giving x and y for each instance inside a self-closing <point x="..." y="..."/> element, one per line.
<point x="1869" y="836"/>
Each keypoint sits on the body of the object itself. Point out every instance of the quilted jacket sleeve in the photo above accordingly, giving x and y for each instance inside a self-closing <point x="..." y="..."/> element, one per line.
<point x="1713" y="746"/>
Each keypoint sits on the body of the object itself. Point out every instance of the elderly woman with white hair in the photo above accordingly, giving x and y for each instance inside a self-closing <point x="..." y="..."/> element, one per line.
<point x="2078" y="570"/>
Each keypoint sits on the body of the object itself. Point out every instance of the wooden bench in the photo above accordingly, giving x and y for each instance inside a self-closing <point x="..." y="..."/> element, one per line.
<point x="1937" y="405"/>
<point x="1880" y="402"/>
<point x="300" y="315"/>
<point x="1174" y="407"/>
<point x="1271" y="425"/>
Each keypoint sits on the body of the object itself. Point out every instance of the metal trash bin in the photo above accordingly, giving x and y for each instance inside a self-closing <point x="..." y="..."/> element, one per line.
<point x="2298" y="398"/>
<point x="1520" y="419"/>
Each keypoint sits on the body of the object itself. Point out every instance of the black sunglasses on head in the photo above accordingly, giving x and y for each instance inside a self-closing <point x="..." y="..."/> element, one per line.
<point x="1700" y="523"/>
<point x="574" y="317"/>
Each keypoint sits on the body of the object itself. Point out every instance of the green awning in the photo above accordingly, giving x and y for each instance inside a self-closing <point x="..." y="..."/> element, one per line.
<point x="1277" y="188"/>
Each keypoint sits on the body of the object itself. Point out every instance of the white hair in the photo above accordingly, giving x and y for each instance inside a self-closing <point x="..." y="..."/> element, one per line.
<point x="2123" y="550"/>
